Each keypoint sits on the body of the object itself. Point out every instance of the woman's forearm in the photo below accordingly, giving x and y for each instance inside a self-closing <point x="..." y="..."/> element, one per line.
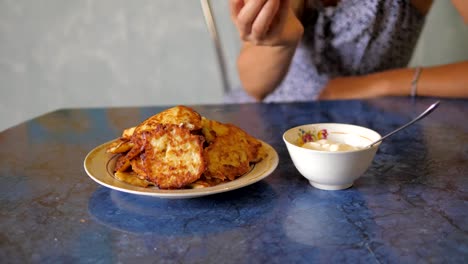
<point x="449" y="80"/>
<point x="262" y="68"/>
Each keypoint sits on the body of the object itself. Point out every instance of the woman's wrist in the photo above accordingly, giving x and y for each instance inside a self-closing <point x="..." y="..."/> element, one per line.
<point x="395" y="82"/>
<point x="262" y="68"/>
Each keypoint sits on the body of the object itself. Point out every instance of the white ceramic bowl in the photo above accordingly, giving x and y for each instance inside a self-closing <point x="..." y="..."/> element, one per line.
<point x="330" y="170"/>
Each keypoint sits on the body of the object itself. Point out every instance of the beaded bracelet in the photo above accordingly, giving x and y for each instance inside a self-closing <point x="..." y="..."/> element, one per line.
<point x="414" y="82"/>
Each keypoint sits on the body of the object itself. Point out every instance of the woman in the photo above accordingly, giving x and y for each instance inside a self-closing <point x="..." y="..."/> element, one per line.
<point x="306" y="50"/>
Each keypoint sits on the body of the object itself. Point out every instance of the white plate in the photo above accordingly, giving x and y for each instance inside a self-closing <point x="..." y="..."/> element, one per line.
<point x="98" y="165"/>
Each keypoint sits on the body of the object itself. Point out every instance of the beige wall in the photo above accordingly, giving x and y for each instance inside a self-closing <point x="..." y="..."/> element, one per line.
<point x="444" y="38"/>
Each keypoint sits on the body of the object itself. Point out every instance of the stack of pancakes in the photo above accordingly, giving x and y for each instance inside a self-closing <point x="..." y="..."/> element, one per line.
<point x="178" y="148"/>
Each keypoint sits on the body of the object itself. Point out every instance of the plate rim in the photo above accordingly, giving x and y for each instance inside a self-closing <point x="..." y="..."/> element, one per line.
<point x="269" y="165"/>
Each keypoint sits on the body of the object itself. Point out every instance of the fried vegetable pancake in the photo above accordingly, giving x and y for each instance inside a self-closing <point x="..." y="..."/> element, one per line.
<point x="127" y="133"/>
<point x="212" y="129"/>
<point x="204" y="182"/>
<point x="230" y="150"/>
<point x="122" y="163"/>
<point x="138" y="166"/>
<point x="120" y="145"/>
<point x="138" y="145"/>
<point x="132" y="178"/>
<point x="173" y="156"/>
<point x="179" y="115"/>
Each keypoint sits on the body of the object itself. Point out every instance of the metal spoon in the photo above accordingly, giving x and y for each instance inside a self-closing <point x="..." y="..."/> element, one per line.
<point x="421" y="116"/>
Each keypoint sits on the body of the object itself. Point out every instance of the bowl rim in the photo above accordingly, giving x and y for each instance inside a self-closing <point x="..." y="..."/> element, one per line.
<point x="331" y="152"/>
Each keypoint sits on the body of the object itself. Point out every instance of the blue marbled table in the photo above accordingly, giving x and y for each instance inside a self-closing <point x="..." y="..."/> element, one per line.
<point x="410" y="206"/>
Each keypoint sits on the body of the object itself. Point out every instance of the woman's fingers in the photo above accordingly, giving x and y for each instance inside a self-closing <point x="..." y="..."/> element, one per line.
<point x="284" y="8"/>
<point x="264" y="19"/>
<point x="247" y="16"/>
<point x="235" y="6"/>
<point x="265" y="22"/>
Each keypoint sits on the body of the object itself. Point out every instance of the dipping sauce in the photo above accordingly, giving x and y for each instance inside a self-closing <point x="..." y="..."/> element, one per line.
<point x="329" y="145"/>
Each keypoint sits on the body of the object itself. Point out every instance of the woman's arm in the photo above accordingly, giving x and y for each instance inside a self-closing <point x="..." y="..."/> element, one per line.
<point x="270" y="32"/>
<point x="450" y="80"/>
<point x="422" y="5"/>
<point x="262" y="68"/>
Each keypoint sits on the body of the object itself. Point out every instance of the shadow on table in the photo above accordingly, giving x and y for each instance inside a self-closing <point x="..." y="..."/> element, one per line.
<point x="210" y="214"/>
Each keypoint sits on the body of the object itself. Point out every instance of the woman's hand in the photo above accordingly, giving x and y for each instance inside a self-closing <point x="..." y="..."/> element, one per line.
<point x="266" y="22"/>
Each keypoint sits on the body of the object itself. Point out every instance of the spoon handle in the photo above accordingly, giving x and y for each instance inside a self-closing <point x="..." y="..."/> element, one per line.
<point x="421" y="116"/>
